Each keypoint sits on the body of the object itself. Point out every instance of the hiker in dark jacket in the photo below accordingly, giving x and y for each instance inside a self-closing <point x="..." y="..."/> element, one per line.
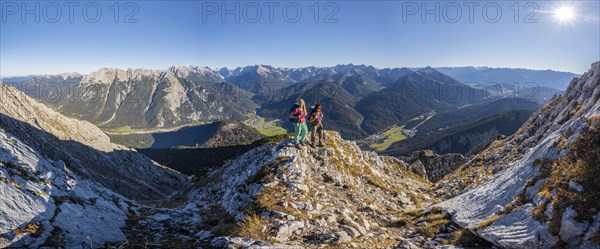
<point x="298" y="115"/>
<point x="316" y="124"/>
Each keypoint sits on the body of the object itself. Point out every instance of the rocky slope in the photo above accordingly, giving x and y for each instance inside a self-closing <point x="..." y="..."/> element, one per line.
<point x="537" y="188"/>
<point x="278" y="195"/>
<point x="461" y="138"/>
<point x="63" y="183"/>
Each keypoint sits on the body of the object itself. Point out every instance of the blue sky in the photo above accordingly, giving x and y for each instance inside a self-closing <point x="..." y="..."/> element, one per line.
<point x="379" y="33"/>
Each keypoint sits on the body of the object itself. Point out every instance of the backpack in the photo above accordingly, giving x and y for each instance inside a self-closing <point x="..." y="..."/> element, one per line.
<point x="313" y="114"/>
<point x="294" y="106"/>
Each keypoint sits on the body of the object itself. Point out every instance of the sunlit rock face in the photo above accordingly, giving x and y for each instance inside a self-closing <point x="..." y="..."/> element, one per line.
<point x="510" y="186"/>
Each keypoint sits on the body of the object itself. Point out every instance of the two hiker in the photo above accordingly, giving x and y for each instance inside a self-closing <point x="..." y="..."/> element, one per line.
<point x="298" y="117"/>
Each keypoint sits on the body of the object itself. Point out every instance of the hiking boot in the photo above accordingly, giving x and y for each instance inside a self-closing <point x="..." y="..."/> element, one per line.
<point x="321" y="145"/>
<point x="297" y="146"/>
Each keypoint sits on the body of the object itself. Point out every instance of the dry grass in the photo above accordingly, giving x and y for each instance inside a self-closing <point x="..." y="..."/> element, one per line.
<point x="581" y="166"/>
<point x="382" y="243"/>
<point x="435" y="218"/>
<point x="266" y="173"/>
<point x="15" y="183"/>
<point x="417" y="213"/>
<point x="538" y="211"/>
<point x="46" y="182"/>
<point x="433" y="227"/>
<point x="546" y="194"/>
<point x="268" y="200"/>
<point x="252" y="226"/>
<point x="34" y="229"/>
<point x="40" y="193"/>
<point x="468" y="239"/>
<point x="377" y="182"/>
<point x="487" y="222"/>
<point x="417" y="200"/>
<point x="517" y="203"/>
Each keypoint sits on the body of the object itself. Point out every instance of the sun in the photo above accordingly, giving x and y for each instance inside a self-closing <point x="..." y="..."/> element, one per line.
<point x="564" y="13"/>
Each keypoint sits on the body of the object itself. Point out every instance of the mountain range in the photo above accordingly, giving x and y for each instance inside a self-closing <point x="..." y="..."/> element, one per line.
<point x="359" y="100"/>
<point x="489" y="76"/>
<point x="64" y="184"/>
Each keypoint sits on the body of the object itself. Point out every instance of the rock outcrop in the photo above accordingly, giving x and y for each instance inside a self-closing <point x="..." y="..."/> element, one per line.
<point x="309" y="196"/>
<point x="520" y="193"/>
<point x="63" y="184"/>
<point x="232" y="133"/>
<point x="434" y="166"/>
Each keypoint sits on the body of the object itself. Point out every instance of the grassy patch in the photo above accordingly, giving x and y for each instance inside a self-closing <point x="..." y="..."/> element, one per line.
<point x="417" y="200"/>
<point x="581" y="166"/>
<point x="122" y="129"/>
<point x="35" y="229"/>
<point x="39" y="193"/>
<point x="377" y="182"/>
<point x="392" y="135"/>
<point x="435" y="222"/>
<point x="267" y="128"/>
<point x="468" y="239"/>
<point x="252" y="226"/>
<point x="416" y="213"/>
<point x="13" y="183"/>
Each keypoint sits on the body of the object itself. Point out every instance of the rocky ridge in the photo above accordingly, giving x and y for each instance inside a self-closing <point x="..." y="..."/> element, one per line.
<point x="512" y="195"/>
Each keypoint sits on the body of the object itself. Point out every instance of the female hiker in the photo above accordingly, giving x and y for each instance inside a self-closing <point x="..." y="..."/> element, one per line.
<point x="316" y="125"/>
<point x="298" y="116"/>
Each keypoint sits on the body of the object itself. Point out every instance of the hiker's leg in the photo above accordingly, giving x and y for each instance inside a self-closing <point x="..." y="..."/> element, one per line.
<point x="313" y="130"/>
<point x="296" y="132"/>
<point x="304" y="130"/>
<point x="320" y="131"/>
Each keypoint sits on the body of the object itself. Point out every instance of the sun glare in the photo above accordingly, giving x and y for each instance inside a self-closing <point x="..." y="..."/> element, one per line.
<point x="564" y="13"/>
